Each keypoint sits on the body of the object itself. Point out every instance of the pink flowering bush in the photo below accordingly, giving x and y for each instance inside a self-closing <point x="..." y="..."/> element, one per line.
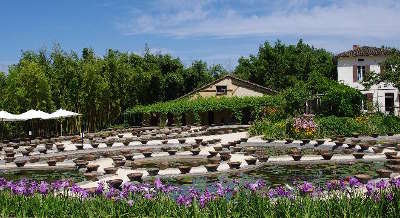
<point x="304" y="126"/>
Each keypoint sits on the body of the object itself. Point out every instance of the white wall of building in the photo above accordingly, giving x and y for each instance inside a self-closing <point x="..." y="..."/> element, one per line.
<point x="345" y="75"/>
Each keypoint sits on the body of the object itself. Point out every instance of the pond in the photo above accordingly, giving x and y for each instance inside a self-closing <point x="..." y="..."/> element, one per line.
<point x="74" y="176"/>
<point x="318" y="174"/>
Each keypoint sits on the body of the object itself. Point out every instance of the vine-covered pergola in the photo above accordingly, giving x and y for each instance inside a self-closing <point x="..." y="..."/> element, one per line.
<point x="193" y="111"/>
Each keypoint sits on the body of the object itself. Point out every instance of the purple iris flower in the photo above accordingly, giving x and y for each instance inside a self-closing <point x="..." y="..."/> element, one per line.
<point x="381" y="184"/>
<point x="158" y="184"/>
<point x="354" y="182"/>
<point x="43" y="187"/>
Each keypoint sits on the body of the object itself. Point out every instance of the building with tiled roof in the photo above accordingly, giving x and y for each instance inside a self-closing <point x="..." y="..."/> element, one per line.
<point x="352" y="67"/>
<point x="365" y="51"/>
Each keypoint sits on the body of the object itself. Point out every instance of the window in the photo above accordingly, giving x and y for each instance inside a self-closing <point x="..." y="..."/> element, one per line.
<point x="360" y="72"/>
<point x="389" y="102"/>
<point x="221" y="90"/>
<point x="360" y="59"/>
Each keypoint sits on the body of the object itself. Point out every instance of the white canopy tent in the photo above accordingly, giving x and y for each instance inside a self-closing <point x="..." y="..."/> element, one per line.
<point x="61" y="113"/>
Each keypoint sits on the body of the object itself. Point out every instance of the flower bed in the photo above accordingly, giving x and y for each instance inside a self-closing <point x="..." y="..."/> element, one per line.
<point x="337" y="198"/>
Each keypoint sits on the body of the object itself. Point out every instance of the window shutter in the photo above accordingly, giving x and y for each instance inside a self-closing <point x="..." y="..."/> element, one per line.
<point x="370" y="97"/>
<point x="382" y="67"/>
<point x="354" y="73"/>
<point x="367" y="68"/>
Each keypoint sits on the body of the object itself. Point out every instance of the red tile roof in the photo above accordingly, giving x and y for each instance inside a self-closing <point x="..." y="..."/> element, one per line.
<point x="365" y="51"/>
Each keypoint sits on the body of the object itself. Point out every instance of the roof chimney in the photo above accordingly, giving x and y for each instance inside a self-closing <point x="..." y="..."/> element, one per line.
<point x="355" y="47"/>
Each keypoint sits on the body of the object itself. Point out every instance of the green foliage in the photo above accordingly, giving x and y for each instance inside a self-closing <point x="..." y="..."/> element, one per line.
<point x="280" y="66"/>
<point x="100" y="88"/>
<point x="199" y="105"/>
<point x="242" y="204"/>
<point x="330" y="126"/>
<point x="335" y="98"/>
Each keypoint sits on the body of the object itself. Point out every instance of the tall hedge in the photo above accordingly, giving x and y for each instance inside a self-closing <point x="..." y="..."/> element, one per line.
<point x="258" y="106"/>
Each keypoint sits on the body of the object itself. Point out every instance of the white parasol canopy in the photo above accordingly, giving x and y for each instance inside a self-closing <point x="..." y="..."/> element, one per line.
<point x="33" y="114"/>
<point x="5" y="116"/>
<point x="61" y="113"/>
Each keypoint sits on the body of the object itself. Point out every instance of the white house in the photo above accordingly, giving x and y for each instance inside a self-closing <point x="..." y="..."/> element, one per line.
<point x="353" y="64"/>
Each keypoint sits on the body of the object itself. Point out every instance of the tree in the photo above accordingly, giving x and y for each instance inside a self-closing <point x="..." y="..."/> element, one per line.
<point x="27" y="88"/>
<point x="281" y="66"/>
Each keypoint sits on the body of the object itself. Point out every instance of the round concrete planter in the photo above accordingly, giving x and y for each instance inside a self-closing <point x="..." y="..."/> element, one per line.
<point x="184" y="169"/>
<point x="211" y="167"/>
<point x="119" y="163"/>
<point x="251" y="161"/>
<point x="363" y="178"/>
<point x="20" y="163"/>
<point x="79" y="147"/>
<point x="384" y="173"/>
<point x="217" y="148"/>
<point x="172" y="151"/>
<point x="377" y="149"/>
<point x="320" y="141"/>
<point x="153" y="171"/>
<point x="390" y="155"/>
<point x="147" y="154"/>
<point x="115" y="183"/>
<point x="225" y="157"/>
<point x="234" y="164"/>
<point x="288" y="141"/>
<point x="128" y="156"/>
<point x="263" y="158"/>
<point x="135" y="176"/>
<point x="358" y="155"/>
<point x="92" y="167"/>
<point x="91" y="176"/>
<point x="327" y="156"/>
<point x="110" y="170"/>
<point x="195" y="151"/>
<point x="296" y="157"/>
<point x="364" y="147"/>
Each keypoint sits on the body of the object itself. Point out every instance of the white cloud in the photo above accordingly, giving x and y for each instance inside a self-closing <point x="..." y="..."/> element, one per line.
<point x="300" y="18"/>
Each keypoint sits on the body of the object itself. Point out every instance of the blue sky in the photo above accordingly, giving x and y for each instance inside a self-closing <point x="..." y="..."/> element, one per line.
<point x="217" y="31"/>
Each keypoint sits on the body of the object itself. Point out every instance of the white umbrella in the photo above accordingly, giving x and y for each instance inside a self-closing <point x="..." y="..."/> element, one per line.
<point x="5" y="116"/>
<point x="34" y="114"/>
<point x="61" y="113"/>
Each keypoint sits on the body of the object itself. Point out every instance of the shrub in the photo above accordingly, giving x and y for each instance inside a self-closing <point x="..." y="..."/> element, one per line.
<point x="329" y="126"/>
